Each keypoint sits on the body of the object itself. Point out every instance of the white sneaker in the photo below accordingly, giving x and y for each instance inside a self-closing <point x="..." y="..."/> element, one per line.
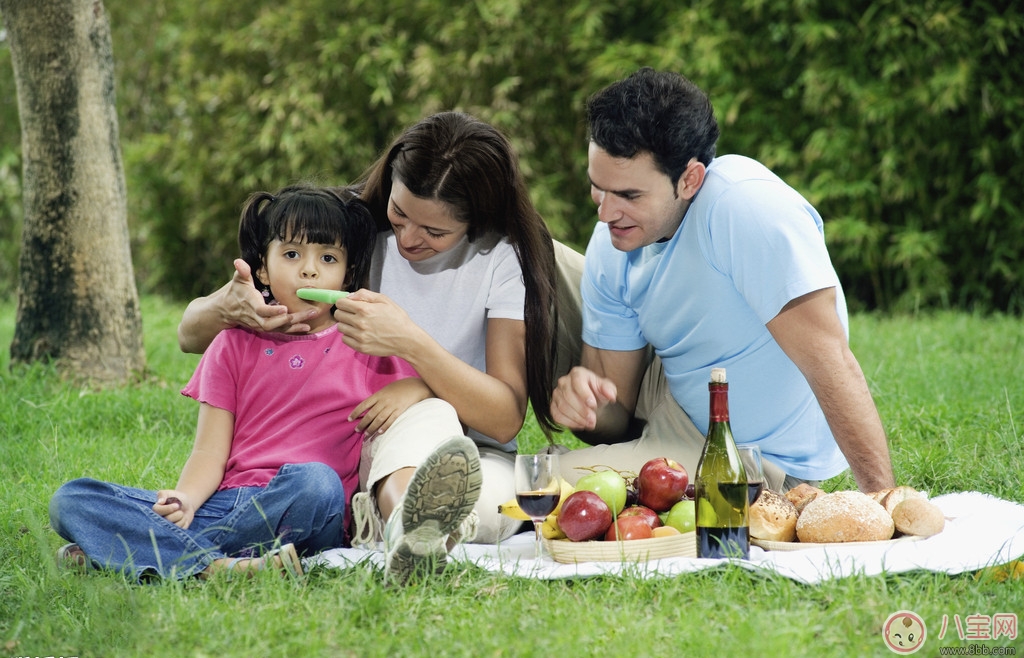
<point x="367" y="525"/>
<point x="440" y="497"/>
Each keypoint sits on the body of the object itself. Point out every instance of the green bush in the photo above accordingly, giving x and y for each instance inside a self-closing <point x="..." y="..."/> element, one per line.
<point x="902" y="122"/>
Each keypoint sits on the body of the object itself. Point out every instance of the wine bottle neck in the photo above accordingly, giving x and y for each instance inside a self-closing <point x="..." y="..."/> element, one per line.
<point x="719" y="403"/>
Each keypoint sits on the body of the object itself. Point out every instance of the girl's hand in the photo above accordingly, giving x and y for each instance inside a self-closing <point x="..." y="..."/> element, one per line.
<point x="174" y="506"/>
<point x="373" y="324"/>
<point x="379" y="411"/>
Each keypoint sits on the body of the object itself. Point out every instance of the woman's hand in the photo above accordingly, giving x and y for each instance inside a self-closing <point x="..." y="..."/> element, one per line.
<point x="235" y="304"/>
<point x="379" y="411"/>
<point x="374" y="324"/>
<point x="244" y="306"/>
<point x="175" y="506"/>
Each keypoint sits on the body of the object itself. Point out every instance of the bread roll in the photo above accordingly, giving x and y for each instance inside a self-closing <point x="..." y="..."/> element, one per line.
<point x="917" y="516"/>
<point x="773" y="517"/>
<point x="879" y="496"/>
<point x="802" y="494"/>
<point x="898" y="495"/>
<point x="843" y="516"/>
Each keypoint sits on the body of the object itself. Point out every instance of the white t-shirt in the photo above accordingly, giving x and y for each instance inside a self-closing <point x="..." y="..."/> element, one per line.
<point x="452" y="295"/>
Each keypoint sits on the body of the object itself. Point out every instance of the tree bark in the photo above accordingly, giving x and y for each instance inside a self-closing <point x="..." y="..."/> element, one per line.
<point x="77" y="302"/>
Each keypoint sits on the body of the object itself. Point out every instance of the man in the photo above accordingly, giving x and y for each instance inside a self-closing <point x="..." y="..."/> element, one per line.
<point x="710" y="262"/>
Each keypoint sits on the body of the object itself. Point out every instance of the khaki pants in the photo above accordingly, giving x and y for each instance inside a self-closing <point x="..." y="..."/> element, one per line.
<point x="669" y="432"/>
<point x="569" y="331"/>
<point x="417" y="433"/>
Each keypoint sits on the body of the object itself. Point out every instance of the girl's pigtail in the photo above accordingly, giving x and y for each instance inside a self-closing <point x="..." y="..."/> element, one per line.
<point x="252" y="229"/>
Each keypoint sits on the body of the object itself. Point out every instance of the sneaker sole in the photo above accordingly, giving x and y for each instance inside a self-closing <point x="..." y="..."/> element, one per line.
<point x="442" y="493"/>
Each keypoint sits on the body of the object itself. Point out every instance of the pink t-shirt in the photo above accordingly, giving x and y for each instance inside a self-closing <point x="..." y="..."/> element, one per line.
<point x="291" y="397"/>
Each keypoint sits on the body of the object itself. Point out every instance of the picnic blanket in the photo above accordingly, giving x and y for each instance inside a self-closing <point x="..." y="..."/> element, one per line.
<point x="980" y="531"/>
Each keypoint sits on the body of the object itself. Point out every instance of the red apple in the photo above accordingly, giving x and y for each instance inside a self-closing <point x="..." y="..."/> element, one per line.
<point x="645" y="513"/>
<point x="629" y="527"/>
<point x="584" y="516"/>
<point x="661" y="483"/>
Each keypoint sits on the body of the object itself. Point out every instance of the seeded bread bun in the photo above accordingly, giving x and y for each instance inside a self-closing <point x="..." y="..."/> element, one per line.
<point x="917" y="516"/>
<point x="843" y="516"/>
<point x="802" y="494"/>
<point x="773" y="517"/>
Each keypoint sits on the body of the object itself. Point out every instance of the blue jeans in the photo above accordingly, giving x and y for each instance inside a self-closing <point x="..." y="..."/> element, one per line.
<point x="116" y="526"/>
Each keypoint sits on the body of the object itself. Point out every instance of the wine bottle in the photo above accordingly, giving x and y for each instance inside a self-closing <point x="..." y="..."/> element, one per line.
<point x="720" y="486"/>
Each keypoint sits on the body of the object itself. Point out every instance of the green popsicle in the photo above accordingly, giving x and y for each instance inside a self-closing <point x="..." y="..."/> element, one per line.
<point x="320" y="295"/>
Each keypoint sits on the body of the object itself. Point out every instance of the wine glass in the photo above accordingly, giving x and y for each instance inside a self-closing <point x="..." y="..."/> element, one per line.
<point x="538" y="488"/>
<point x="751" y="457"/>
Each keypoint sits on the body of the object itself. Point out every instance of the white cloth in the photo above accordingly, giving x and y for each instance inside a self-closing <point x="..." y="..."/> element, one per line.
<point x="980" y="531"/>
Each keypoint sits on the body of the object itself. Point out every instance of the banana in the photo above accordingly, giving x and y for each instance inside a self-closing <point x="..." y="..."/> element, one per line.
<point x="550" y="529"/>
<point x="512" y="509"/>
<point x="566" y="489"/>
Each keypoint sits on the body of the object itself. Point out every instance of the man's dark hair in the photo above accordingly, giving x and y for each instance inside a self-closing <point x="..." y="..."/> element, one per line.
<point x="657" y="112"/>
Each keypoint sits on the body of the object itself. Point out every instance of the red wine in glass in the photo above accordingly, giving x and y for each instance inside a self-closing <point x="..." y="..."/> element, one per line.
<point x="754" y="490"/>
<point x="538" y="488"/>
<point x="537" y="504"/>
<point x="750" y="455"/>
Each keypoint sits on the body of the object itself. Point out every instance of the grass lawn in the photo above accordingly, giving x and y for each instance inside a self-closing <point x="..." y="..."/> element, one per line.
<point x="950" y="388"/>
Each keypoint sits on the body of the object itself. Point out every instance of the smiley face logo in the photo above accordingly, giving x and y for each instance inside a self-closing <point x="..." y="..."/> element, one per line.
<point x="904" y="632"/>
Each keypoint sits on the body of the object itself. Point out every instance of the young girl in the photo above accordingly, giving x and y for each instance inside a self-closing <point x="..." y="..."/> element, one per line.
<point x="276" y="453"/>
<point x="467" y="285"/>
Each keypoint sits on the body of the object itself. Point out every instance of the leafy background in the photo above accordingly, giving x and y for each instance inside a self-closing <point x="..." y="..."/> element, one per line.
<point x="902" y="122"/>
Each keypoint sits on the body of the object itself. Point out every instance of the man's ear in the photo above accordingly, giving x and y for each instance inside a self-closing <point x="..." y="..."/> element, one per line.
<point x="691" y="180"/>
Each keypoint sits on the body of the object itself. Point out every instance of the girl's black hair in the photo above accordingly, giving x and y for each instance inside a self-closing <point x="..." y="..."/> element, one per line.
<point x="313" y="215"/>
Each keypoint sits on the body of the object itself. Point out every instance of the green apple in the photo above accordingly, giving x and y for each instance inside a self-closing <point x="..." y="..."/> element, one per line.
<point x="683" y="516"/>
<point x="708" y="513"/>
<point x="609" y="485"/>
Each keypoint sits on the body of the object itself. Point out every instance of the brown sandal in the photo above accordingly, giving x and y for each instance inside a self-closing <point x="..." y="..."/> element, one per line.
<point x="73" y="558"/>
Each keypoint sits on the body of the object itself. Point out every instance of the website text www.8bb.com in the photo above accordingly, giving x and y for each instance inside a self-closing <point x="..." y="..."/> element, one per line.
<point x="977" y="649"/>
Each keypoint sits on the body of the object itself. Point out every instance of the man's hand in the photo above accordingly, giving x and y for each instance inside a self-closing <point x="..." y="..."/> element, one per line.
<point x="579" y="398"/>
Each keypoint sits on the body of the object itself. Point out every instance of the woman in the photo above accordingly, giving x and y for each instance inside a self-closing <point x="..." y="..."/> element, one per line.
<point x="467" y="285"/>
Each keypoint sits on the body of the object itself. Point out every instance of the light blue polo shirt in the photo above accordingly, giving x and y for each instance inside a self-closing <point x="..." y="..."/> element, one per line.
<point x="748" y="245"/>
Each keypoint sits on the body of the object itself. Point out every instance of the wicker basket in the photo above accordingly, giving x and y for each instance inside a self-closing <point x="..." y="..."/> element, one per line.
<point x="635" y="550"/>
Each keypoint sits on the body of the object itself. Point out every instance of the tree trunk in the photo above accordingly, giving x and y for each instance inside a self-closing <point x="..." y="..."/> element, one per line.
<point x="77" y="301"/>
